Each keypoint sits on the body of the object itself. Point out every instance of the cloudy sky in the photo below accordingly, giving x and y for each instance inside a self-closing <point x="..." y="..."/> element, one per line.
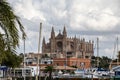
<point x="87" y="19"/>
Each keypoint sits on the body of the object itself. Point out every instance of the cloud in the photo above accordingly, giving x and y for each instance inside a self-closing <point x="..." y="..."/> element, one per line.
<point x="83" y="18"/>
<point x="92" y="16"/>
<point x="26" y="9"/>
<point x="78" y="14"/>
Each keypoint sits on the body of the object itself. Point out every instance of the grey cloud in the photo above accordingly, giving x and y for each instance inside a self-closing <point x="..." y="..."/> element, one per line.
<point x="96" y="32"/>
<point x="81" y="18"/>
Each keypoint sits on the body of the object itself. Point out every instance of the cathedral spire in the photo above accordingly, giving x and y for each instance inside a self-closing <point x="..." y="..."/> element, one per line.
<point x="64" y="32"/>
<point x="52" y="33"/>
<point x="43" y="42"/>
<point x="75" y="37"/>
<point x="52" y="29"/>
<point x="59" y="31"/>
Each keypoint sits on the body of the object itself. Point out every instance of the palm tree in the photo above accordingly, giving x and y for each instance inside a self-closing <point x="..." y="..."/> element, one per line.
<point x="50" y="70"/>
<point x="9" y="35"/>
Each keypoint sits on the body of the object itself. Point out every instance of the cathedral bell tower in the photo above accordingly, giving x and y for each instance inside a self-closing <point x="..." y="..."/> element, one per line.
<point x="64" y="41"/>
<point x="43" y="45"/>
<point x="75" y="44"/>
<point x="64" y="33"/>
<point x="52" y="33"/>
<point x="52" y="40"/>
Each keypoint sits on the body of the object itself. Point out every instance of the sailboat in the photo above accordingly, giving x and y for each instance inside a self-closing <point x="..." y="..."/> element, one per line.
<point x="99" y="72"/>
<point x="112" y="73"/>
<point x="115" y="66"/>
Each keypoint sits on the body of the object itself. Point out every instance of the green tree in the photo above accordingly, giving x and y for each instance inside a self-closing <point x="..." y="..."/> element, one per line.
<point x="94" y="61"/>
<point x="12" y="60"/>
<point x="10" y="25"/>
<point x="49" y="69"/>
<point x="104" y="62"/>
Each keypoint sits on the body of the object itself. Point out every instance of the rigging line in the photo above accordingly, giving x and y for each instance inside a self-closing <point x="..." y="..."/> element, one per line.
<point x="117" y="51"/>
<point x="114" y="50"/>
<point x="112" y="57"/>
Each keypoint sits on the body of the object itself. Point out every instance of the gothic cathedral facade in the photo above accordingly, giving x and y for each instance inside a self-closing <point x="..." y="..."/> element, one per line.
<point x="61" y="46"/>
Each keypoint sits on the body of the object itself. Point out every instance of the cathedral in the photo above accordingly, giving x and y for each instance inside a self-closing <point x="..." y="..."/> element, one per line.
<point x="61" y="46"/>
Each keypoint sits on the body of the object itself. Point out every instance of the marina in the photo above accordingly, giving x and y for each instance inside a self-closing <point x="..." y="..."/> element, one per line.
<point x="64" y="63"/>
<point x="59" y="40"/>
<point x="19" y="73"/>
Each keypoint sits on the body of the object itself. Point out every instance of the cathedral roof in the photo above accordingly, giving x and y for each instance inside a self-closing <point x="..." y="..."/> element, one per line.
<point x="59" y="36"/>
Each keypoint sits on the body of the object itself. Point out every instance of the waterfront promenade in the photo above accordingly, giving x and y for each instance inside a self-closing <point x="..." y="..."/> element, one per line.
<point x="33" y="78"/>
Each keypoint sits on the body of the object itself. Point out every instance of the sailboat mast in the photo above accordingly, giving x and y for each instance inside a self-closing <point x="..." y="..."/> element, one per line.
<point x="24" y="61"/>
<point x="97" y="52"/>
<point x="110" y="66"/>
<point x="117" y="52"/>
<point x="38" y="66"/>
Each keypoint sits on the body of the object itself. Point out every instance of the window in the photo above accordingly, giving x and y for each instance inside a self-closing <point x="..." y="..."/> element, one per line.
<point x="57" y="64"/>
<point x="82" y="64"/>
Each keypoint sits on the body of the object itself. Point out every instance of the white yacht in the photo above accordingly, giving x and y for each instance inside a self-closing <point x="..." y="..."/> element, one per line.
<point x="100" y="72"/>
